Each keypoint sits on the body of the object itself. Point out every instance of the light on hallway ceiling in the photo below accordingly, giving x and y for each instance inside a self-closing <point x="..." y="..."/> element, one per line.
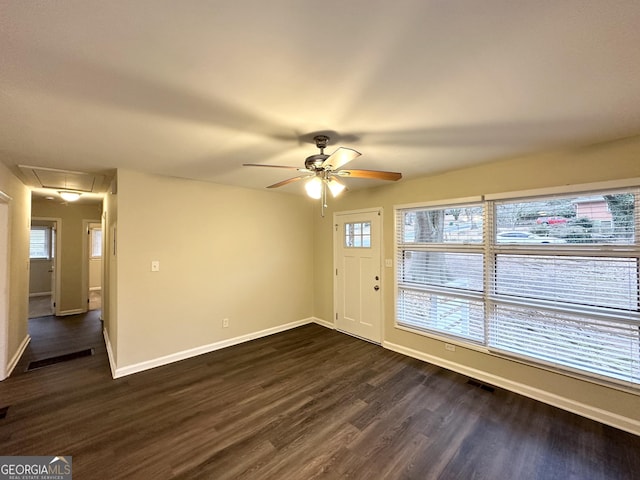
<point x="335" y="187"/>
<point x="69" y="196"/>
<point x="314" y="187"/>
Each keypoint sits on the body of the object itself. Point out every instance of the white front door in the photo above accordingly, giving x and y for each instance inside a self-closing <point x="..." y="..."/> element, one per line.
<point x="358" y="282"/>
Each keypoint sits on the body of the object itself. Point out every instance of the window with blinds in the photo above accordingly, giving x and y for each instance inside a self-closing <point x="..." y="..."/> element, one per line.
<point x="40" y="243"/>
<point x="96" y="242"/>
<point x="550" y="280"/>
<point x="440" y="270"/>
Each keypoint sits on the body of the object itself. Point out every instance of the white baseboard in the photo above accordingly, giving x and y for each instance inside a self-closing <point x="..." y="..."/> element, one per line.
<point x="75" y="311"/>
<point x="618" y="421"/>
<point x="193" y="352"/>
<point x="323" y="323"/>
<point x="112" y="360"/>
<point x="16" y="357"/>
<point x="39" y="294"/>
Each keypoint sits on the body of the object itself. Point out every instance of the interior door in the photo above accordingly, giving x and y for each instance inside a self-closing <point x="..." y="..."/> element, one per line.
<point x="4" y="284"/>
<point x="358" y="282"/>
<point x="94" y="262"/>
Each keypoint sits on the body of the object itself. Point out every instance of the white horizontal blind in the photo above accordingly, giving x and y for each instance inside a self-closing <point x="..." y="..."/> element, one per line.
<point x="604" y="347"/>
<point x="96" y="242"/>
<point x="39" y="241"/>
<point x="441" y="313"/>
<point x="440" y="270"/>
<point x="566" y="291"/>
<point x="607" y="282"/>
<point x="452" y="270"/>
<point x="551" y="280"/>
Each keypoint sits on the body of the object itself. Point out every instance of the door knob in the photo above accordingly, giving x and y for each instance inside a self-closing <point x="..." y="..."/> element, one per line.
<point x="376" y="288"/>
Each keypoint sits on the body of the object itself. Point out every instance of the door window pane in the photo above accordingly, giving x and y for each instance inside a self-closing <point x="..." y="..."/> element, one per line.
<point x="357" y="235"/>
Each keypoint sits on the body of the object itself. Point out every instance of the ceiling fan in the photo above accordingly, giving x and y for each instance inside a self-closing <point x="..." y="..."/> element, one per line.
<point x="322" y="171"/>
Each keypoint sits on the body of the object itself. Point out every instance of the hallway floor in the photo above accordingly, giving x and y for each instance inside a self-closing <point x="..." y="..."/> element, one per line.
<point x="40" y="306"/>
<point x="51" y="336"/>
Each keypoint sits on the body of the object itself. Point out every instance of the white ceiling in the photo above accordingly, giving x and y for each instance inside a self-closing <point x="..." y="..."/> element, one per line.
<point x="196" y="88"/>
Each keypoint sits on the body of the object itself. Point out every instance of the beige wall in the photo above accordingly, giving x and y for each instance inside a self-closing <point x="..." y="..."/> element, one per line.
<point x="71" y="235"/>
<point x="616" y="160"/>
<point x="20" y="223"/>
<point x="224" y="252"/>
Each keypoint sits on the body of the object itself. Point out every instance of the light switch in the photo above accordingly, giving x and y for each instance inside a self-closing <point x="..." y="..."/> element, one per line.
<point x="388" y="262"/>
<point x="155" y="266"/>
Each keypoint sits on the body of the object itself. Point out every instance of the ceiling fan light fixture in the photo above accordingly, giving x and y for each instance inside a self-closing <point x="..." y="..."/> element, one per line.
<point x="336" y="187"/>
<point x="69" y="196"/>
<point x="314" y="188"/>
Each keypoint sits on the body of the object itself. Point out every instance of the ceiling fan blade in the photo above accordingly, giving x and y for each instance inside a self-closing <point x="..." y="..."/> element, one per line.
<point x="372" y="174"/>
<point x="338" y="158"/>
<point x="287" y="181"/>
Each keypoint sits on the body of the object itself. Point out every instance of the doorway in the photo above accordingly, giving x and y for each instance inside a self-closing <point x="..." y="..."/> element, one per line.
<point x="43" y="268"/>
<point x="94" y="265"/>
<point x="358" y="282"/>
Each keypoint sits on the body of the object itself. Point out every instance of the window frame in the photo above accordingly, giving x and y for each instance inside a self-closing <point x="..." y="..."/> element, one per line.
<point x="492" y="249"/>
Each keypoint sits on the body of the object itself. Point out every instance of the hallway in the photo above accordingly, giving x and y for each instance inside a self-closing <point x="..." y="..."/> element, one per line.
<point x="52" y="336"/>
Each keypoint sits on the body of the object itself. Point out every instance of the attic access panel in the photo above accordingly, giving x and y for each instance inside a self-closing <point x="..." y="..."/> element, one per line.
<point x="42" y="177"/>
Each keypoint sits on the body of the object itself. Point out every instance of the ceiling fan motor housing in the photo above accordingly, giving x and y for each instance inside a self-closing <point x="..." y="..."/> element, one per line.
<point x="314" y="162"/>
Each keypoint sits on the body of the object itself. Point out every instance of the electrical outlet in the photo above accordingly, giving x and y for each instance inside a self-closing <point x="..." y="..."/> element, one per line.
<point x="448" y="346"/>
<point x="155" y="266"/>
<point x="225" y="323"/>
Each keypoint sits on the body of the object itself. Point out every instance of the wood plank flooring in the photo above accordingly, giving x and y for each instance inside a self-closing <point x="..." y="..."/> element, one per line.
<point x="304" y="404"/>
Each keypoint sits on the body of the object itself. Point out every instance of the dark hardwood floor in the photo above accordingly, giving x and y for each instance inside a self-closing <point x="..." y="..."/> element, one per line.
<point x="307" y="403"/>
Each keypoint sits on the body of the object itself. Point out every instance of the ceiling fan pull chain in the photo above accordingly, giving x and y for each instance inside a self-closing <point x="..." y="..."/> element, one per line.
<point x="324" y="197"/>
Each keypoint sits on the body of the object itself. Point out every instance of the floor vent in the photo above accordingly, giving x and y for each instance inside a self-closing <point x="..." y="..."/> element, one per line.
<point x="45" y="362"/>
<point x="484" y="387"/>
<point x="3" y="412"/>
